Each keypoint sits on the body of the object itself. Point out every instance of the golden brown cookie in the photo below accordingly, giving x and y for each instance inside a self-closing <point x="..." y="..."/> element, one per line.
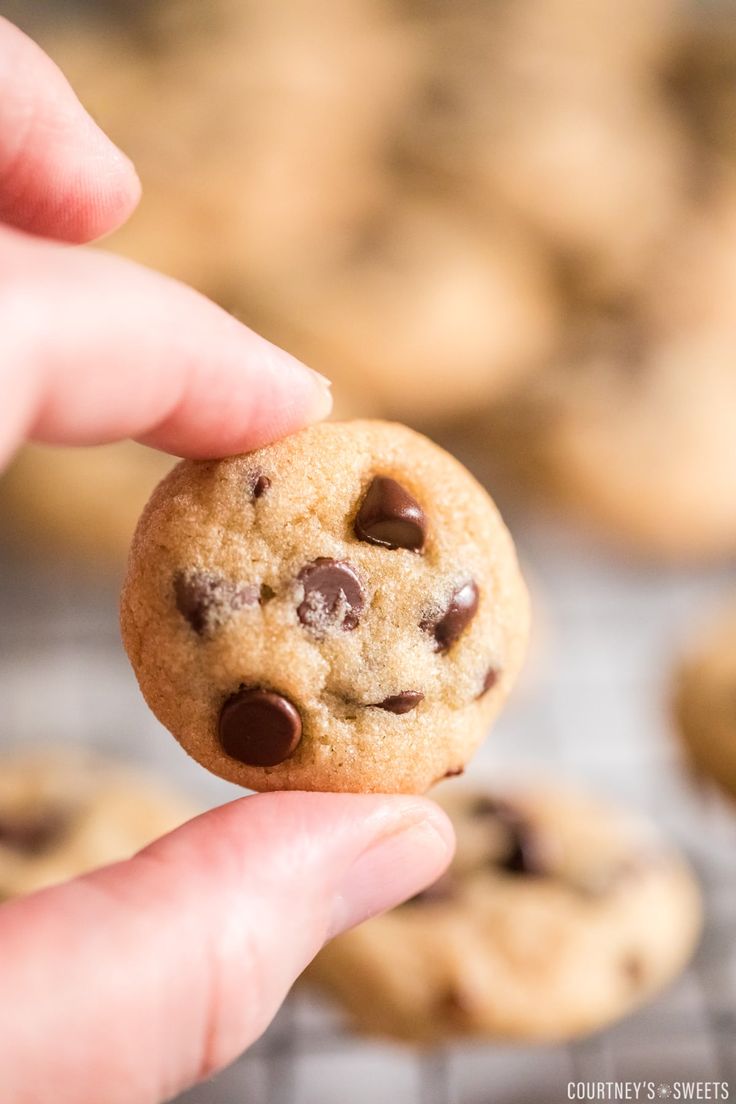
<point x="705" y="703"/>
<point x="342" y="610"/>
<point x="558" y="916"/>
<point x="63" y="813"/>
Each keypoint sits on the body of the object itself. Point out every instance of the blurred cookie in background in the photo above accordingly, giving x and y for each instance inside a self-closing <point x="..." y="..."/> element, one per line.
<point x="632" y="431"/>
<point x="426" y="313"/>
<point x="642" y="453"/>
<point x="529" y="111"/>
<point x="79" y="504"/>
<point x="258" y="130"/>
<point x="627" y="36"/>
<point x="264" y="144"/>
<point x="705" y="703"/>
<point x="414" y="197"/>
<point x="704" y="76"/>
<point x="65" y="812"/>
<point x="559" y="915"/>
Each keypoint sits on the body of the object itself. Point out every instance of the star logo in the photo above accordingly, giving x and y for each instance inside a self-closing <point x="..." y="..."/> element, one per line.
<point x="664" y="1092"/>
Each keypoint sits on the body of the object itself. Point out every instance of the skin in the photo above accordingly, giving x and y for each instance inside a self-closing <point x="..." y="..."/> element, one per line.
<point x="134" y="982"/>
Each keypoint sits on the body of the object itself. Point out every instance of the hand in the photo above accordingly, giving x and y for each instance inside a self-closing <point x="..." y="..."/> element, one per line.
<point x="131" y="983"/>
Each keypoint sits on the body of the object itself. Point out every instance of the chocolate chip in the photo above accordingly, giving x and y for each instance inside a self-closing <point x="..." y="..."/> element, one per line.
<point x="441" y="890"/>
<point x="454" y="772"/>
<point x="633" y="970"/>
<point x="451" y="624"/>
<point x="259" y="484"/>
<point x="205" y="599"/>
<point x="390" y="517"/>
<point x="333" y="595"/>
<point x="34" y="833"/>
<point x="523" y="852"/>
<point x="454" y="1003"/>
<point x="401" y="703"/>
<point x="259" y="727"/>
<point x="489" y="681"/>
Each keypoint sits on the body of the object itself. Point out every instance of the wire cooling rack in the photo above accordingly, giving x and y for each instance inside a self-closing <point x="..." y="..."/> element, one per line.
<point x="591" y="708"/>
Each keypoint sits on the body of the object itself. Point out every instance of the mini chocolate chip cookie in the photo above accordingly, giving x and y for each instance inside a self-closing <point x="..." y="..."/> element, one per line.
<point x="705" y="703"/>
<point x="342" y="610"/>
<point x="62" y="814"/>
<point x="557" y="916"/>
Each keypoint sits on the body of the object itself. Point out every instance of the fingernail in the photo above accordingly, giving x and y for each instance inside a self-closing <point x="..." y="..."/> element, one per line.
<point x="321" y="402"/>
<point x="323" y="380"/>
<point x="298" y="379"/>
<point x="391" y="870"/>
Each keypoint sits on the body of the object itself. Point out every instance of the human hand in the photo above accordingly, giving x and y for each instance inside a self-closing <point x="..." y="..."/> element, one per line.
<point x="133" y="982"/>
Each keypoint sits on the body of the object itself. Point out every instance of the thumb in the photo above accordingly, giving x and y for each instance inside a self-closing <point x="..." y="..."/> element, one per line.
<point x="132" y="983"/>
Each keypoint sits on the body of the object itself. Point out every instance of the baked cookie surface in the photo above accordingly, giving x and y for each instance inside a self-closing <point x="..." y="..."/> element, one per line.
<point x="64" y="814"/>
<point x="342" y="610"/>
<point x="558" y="915"/>
<point x="705" y="703"/>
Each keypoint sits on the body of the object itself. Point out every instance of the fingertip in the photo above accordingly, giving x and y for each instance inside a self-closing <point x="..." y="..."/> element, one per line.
<point x="84" y="203"/>
<point x="60" y="175"/>
<point x="105" y="204"/>
<point x="230" y="908"/>
<point x="248" y="394"/>
<point x="181" y="374"/>
<point x="397" y="865"/>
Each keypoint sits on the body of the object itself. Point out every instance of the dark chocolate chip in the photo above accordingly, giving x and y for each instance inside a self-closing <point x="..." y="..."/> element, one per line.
<point x="454" y="1003"/>
<point x="451" y="624"/>
<point x="205" y="599"/>
<point x="454" y="772"/>
<point x="523" y="852"/>
<point x="259" y="727"/>
<point x="266" y="593"/>
<point x="33" y="834"/>
<point x="259" y="484"/>
<point x="633" y="970"/>
<point x="333" y="595"/>
<point x="401" y="703"/>
<point x="489" y="681"/>
<point x="390" y="517"/>
<point x="441" y="890"/>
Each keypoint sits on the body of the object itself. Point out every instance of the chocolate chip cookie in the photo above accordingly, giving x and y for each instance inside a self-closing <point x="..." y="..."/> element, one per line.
<point x="557" y="916"/>
<point x="705" y="703"/>
<point x="342" y="610"/>
<point x="62" y="814"/>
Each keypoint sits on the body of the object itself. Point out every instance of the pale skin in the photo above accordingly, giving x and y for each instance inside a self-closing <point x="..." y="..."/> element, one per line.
<point x="132" y="983"/>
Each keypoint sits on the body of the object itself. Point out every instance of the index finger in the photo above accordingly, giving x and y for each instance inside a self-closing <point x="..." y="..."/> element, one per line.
<point x="94" y="348"/>
<point x="60" y="176"/>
